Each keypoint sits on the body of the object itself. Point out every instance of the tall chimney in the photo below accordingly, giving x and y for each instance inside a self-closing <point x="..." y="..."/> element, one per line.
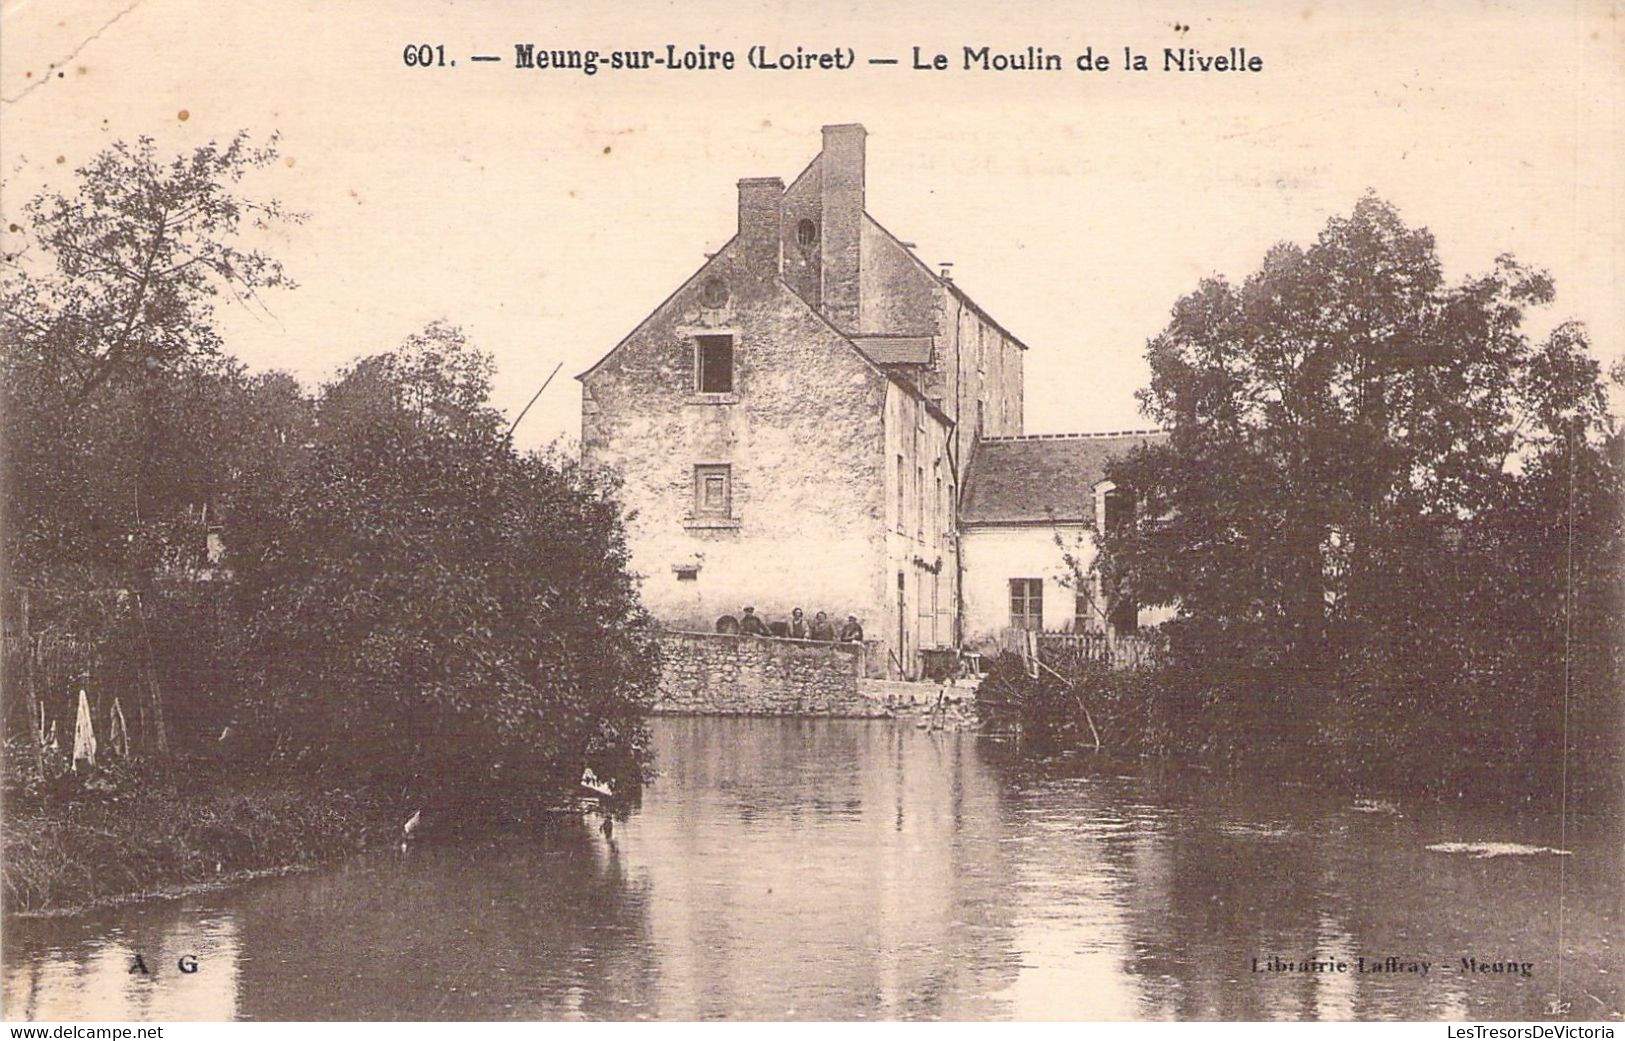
<point x="757" y="249"/>
<point x="842" y="181"/>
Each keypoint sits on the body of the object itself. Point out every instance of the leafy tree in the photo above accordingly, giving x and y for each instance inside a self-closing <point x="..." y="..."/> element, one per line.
<point x="120" y="277"/>
<point x="120" y="417"/>
<point x="112" y="361"/>
<point x="1353" y="442"/>
<point x="409" y="602"/>
<point x="430" y="609"/>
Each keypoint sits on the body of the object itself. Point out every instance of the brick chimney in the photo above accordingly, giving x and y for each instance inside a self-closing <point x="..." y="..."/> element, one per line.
<point x="757" y="249"/>
<point x="842" y="181"/>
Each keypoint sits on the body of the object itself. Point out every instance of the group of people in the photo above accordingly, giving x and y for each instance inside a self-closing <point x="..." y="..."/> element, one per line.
<point x="749" y="623"/>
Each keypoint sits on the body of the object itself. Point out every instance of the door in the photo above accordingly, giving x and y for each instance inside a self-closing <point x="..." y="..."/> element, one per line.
<point x="902" y="626"/>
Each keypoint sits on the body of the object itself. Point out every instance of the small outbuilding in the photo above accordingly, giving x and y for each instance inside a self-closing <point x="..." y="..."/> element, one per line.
<point x="1031" y="508"/>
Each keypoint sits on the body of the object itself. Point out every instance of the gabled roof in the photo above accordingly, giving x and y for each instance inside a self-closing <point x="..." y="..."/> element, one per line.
<point x="892" y="376"/>
<point x="879" y="350"/>
<point x="1043" y="478"/>
<point x="947" y="283"/>
<point x="895" y="350"/>
<point x="646" y="319"/>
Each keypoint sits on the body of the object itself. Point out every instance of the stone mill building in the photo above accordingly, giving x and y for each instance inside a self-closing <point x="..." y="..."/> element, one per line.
<point x="796" y="425"/>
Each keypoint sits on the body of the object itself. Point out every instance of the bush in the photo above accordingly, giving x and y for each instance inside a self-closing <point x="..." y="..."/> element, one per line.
<point x="428" y="610"/>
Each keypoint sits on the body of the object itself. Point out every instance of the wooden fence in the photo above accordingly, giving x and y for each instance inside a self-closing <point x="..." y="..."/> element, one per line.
<point x="1128" y="651"/>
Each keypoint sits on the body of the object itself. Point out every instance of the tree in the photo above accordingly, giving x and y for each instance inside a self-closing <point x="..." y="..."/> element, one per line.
<point x="402" y="599"/>
<point x="429" y="610"/>
<point x="120" y="418"/>
<point x="120" y="277"/>
<point x="1345" y="426"/>
<point x="111" y="347"/>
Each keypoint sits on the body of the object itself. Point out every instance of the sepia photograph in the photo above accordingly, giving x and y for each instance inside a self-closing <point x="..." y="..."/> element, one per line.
<point x="778" y="512"/>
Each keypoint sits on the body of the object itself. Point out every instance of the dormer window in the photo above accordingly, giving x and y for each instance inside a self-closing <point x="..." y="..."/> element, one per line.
<point x="1117" y="509"/>
<point x="1114" y="507"/>
<point x="807" y="235"/>
<point x="714" y="364"/>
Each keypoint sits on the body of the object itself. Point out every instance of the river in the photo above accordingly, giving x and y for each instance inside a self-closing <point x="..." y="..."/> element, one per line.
<point x="805" y="869"/>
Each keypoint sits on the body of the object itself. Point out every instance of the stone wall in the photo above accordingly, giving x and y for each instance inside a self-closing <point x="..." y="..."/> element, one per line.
<point x="801" y="435"/>
<point x="712" y="674"/>
<point x="819" y="459"/>
<point x="975" y="360"/>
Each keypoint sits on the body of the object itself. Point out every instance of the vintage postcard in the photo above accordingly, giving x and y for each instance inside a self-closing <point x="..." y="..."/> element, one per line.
<point x="767" y="511"/>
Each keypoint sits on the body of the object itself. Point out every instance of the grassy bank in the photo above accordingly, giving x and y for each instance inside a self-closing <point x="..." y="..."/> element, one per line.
<point x="137" y="835"/>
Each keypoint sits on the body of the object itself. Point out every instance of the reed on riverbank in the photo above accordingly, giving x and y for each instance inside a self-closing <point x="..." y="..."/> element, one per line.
<point x="136" y="834"/>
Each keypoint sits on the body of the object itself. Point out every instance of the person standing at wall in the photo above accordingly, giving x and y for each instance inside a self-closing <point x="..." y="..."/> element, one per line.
<point x="798" y="625"/>
<point x="750" y="624"/>
<point x="851" y="632"/>
<point x="821" y="629"/>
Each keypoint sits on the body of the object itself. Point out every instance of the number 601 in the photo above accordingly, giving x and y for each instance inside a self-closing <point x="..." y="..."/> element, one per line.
<point x="424" y="54"/>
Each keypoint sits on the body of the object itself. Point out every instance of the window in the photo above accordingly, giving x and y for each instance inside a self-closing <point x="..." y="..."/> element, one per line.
<point x="713" y="490"/>
<point x="1117" y="509"/>
<point x="1083" y="612"/>
<point x="919" y="503"/>
<point x="1027" y="603"/>
<point x="806" y="235"/>
<point x="941" y="506"/>
<point x="714" y="364"/>
<point x="902" y="494"/>
<point x="936" y="608"/>
<point x="688" y="573"/>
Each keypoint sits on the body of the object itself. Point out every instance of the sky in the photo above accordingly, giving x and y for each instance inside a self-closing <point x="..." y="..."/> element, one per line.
<point x="548" y="212"/>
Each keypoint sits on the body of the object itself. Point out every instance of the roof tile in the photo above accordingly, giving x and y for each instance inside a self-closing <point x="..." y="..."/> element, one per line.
<point x="1044" y="477"/>
<point x="895" y="350"/>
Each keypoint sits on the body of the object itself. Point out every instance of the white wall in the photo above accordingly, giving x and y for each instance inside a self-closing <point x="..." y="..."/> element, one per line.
<point x="928" y="595"/>
<point x="993" y="556"/>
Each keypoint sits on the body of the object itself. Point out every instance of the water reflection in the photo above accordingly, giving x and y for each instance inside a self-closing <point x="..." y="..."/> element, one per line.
<point x="95" y="972"/>
<point x="814" y="871"/>
<point x="788" y="869"/>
